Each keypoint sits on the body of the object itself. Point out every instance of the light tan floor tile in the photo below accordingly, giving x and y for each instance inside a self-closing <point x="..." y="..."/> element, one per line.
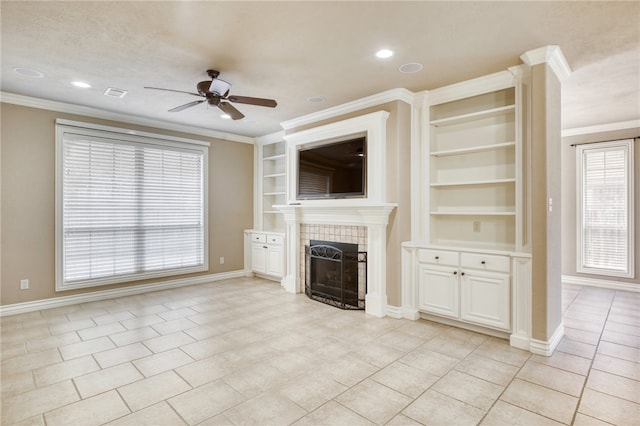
<point x="22" y="334"/>
<point x="430" y="361"/>
<point x="584" y="420"/>
<point x="107" y="379"/>
<point x="450" y="346"/>
<point x="582" y="336"/>
<point x="572" y="347"/>
<point x="266" y="409"/>
<point x="469" y="389"/>
<point x="423" y="329"/>
<point x="39" y="345"/>
<point x="96" y="410"/>
<point x="172" y="326"/>
<point x="76" y="350"/>
<point x="170" y="341"/>
<point x="202" y="332"/>
<point x="255" y="379"/>
<point x="12" y="350"/>
<point x="609" y="408"/>
<point x="546" y="402"/>
<point x="435" y="408"/>
<point x="85" y="314"/>
<point x="148" y="310"/>
<point x="112" y="318"/>
<point x="621" y="338"/>
<point x="410" y="381"/>
<point x="502" y="414"/>
<point x="204" y="348"/>
<point x="401" y="341"/>
<point x="65" y="370"/>
<point x="487" y="369"/>
<point x="552" y="378"/>
<point x="614" y="385"/>
<point x="567" y="362"/>
<point x="152" y="390"/>
<point x="16" y="383"/>
<point x="159" y="414"/>
<point x="206" y="401"/>
<point x="71" y="326"/>
<point x="332" y="414"/>
<point x="164" y="361"/>
<point x="311" y="390"/>
<point x="101" y="330"/>
<point x="402" y="420"/>
<point x="206" y="370"/>
<point x="624" y="319"/>
<point x="134" y="336"/>
<point x="174" y="314"/>
<point x="140" y="322"/>
<point x="499" y="350"/>
<point x="619" y="351"/>
<point x="38" y="401"/>
<point x="377" y="354"/>
<point x="31" y="421"/>
<point x="374" y="401"/>
<point x="634" y="330"/>
<point x="348" y="371"/>
<point x="620" y="367"/>
<point x="30" y="361"/>
<point x="121" y="354"/>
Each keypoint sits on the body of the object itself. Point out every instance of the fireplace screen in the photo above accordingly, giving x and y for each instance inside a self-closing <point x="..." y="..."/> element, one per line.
<point x="336" y="274"/>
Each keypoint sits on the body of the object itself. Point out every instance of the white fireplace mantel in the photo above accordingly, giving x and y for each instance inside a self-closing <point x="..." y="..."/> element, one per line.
<point x="348" y="213"/>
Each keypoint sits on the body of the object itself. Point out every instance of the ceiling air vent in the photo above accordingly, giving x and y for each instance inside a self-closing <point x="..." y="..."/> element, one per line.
<point x="115" y="93"/>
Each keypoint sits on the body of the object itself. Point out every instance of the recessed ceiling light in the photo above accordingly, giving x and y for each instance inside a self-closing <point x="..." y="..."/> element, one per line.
<point x="225" y="116"/>
<point x="384" y="53"/>
<point x="410" y="67"/>
<point x="28" y="72"/>
<point x="315" y="99"/>
<point x="81" y="84"/>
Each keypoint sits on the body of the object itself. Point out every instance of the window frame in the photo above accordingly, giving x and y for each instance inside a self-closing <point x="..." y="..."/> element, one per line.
<point x="63" y="126"/>
<point x="627" y="146"/>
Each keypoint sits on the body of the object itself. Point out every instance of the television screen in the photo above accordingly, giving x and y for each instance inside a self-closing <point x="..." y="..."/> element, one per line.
<point x="335" y="170"/>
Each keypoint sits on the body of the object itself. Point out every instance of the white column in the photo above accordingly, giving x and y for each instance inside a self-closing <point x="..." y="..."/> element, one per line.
<point x="409" y="283"/>
<point x="521" y="302"/>
<point x="291" y="280"/>
<point x="376" y="298"/>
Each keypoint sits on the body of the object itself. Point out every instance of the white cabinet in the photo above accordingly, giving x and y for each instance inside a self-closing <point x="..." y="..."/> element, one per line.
<point x="267" y="254"/>
<point x="473" y="287"/>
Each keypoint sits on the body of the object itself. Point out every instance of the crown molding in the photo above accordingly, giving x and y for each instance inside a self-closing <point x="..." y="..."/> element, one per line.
<point x="392" y="95"/>
<point x="599" y="128"/>
<point x="496" y="81"/>
<point x="270" y="138"/>
<point x="551" y="55"/>
<point x="27" y="101"/>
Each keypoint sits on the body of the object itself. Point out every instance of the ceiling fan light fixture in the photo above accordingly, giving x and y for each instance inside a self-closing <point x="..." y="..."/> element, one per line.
<point x="220" y="87"/>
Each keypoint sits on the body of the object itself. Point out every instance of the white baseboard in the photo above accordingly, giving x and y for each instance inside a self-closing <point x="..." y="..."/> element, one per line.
<point x="55" y="302"/>
<point x="546" y="348"/>
<point x="596" y="282"/>
<point x="395" y="312"/>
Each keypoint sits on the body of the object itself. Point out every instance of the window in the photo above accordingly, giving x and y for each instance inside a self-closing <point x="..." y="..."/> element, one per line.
<point x="605" y="208"/>
<point x="128" y="207"/>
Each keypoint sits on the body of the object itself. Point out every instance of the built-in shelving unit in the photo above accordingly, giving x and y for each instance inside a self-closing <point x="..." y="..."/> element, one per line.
<point x="272" y="186"/>
<point x="473" y="178"/>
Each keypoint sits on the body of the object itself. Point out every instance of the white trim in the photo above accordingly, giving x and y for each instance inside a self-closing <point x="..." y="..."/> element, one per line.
<point x="270" y="138"/>
<point x="56" y="302"/>
<point x="27" y="101"/>
<point x="593" y="282"/>
<point x="465" y="89"/>
<point x="392" y="95"/>
<point x="546" y="347"/>
<point x="600" y="128"/>
<point x="553" y="56"/>
<point x="395" y="311"/>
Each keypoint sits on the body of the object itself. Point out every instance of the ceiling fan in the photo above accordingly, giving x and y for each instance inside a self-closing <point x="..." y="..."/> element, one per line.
<point x="216" y="93"/>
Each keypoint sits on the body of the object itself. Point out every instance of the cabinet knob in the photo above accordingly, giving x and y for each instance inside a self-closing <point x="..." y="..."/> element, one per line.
<point x="461" y="273"/>
<point x="483" y="262"/>
<point x="455" y="272"/>
<point x="437" y="257"/>
<point x="265" y="247"/>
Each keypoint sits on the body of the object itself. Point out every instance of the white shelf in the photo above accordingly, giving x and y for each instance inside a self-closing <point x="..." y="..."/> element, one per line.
<point x="472" y="213"/>
<point x="274" y="193"/>
<point x="474" y="182"/>
<point x="274" y="175"/>
<point x="274" y="157"/>
<point x="271" y="212"/>
<point x="471" y="150"/>
<point x="465" y="118"/>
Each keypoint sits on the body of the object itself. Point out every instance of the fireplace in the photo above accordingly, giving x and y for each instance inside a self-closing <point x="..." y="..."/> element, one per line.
<point x="333" y="274"/>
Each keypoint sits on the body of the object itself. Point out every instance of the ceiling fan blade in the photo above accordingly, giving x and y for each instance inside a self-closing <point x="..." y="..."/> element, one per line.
<point x="253" y="101"/>
<point x="229" y="109"/>
<point x="185" y="106"/>
<point x="171" y="90"/>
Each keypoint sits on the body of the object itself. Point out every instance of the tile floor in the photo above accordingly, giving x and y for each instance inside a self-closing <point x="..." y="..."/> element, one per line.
<point x="244" y="352"/>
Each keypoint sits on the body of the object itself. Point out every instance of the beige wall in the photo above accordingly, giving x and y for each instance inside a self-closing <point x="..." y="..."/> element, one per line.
<point x="398" y="139"/>
<point x="27" y="192"/>
<point x="546" y="290"/>
<point x="569" y="213"/>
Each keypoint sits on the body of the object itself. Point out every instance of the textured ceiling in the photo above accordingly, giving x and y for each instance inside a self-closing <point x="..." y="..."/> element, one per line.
<point x="291" y="51"/>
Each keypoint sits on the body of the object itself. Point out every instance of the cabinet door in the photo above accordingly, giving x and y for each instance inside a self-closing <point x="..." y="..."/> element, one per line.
<point x="258" y="257"/>
<point x="274" y="261"/>
<point x="438" y="290"/>
<point x="485" y="299"/>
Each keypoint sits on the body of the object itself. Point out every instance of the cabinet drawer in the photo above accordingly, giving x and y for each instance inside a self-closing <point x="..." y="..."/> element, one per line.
<point x="485" y="262"/>
<point x="259" y="238"/>
<point x="438" y="257"/>
<point x="275" y="240"/>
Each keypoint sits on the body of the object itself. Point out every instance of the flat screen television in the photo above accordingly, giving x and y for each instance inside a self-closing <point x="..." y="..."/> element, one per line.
<point x="333" y="170"/>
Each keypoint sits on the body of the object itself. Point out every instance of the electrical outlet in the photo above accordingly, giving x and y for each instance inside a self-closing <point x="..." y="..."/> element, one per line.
<point x="476" y="226"/>
<point x="24" y="284"/>
<point x="222" y="260"/>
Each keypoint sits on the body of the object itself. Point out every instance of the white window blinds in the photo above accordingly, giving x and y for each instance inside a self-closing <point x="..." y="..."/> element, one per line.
<point x="605" y="200"/>
<point x="130" y="208"/>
